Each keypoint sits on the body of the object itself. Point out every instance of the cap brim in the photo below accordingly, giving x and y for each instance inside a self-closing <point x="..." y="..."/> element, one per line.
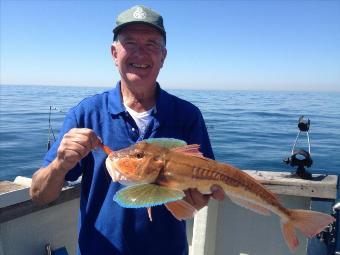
<point x="117" y="29"/>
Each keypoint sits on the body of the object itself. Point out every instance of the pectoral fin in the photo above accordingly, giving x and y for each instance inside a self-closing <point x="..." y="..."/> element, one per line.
<point x="181" y="210"/>
<point x="146" y="195"/>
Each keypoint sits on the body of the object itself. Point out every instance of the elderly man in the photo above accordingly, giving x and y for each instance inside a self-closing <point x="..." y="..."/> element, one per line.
<point x="136" y="109"/>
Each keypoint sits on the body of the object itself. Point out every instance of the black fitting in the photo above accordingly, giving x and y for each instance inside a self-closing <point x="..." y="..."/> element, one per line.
<point x="303" y="124"/>
<point x="301" y="163"/>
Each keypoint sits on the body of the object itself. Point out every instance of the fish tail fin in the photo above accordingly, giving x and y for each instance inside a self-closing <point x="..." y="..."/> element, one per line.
<point x="289" y="235"/>
<point x="310" y="223"/>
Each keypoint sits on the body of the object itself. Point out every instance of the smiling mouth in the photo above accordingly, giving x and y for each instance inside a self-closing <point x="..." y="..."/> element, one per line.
<point x="141" y="66"/>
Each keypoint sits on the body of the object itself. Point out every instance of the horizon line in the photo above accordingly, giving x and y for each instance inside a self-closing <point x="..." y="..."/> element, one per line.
<point x="179" y="88"/>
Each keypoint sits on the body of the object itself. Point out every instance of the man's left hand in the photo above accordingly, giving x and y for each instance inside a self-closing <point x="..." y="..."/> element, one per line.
<point x="199" y="200"/>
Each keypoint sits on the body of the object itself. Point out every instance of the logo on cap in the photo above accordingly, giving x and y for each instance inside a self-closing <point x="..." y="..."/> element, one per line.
<point x="139" y="13"/>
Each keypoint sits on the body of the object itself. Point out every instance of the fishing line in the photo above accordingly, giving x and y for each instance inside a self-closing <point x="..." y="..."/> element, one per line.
<point x="50" y="128"/>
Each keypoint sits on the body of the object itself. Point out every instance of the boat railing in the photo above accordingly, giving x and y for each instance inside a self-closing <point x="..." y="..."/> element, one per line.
<point x="220" y="228"/>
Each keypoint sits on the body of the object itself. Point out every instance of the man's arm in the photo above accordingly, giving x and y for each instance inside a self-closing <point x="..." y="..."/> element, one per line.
<point x="48" y="181"/>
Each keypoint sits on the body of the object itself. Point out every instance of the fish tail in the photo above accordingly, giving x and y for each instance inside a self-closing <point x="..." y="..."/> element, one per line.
<point x="310" y="223"/>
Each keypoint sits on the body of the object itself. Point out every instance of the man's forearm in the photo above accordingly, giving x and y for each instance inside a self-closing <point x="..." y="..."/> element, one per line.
<point x="47" y="183"/>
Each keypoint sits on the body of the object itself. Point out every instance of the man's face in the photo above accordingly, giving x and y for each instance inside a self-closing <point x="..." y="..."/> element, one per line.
<point x="139" y="54"/>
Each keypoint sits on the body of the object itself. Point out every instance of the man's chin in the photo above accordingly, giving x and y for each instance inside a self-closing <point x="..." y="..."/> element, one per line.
<point x="138" y="79"/>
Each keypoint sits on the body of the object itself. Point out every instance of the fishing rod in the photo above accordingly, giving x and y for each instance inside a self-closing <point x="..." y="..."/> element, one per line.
<point x="50" y="128"/>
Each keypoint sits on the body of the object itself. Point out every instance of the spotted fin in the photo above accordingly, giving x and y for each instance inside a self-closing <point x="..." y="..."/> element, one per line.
<point x="181" y="210"/>
<point x="146" y="195"/>
<point x="249" y="205"/>
<point x="166" y="142"/>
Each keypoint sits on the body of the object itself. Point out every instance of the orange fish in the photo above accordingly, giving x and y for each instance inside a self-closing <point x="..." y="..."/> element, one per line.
<point x="157" y="171"/>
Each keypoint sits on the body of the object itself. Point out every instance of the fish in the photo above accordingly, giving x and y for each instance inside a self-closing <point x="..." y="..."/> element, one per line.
<point x="158" y="171"/>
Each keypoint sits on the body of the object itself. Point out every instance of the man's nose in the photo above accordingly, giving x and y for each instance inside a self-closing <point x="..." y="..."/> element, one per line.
<point x="140" y="50"/>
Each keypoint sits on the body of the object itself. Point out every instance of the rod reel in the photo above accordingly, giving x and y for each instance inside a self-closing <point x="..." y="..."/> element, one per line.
<point x="301" y="158"/>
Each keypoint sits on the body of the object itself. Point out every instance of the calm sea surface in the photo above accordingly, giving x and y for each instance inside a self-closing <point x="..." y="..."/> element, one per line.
<point x="252" y="130"/>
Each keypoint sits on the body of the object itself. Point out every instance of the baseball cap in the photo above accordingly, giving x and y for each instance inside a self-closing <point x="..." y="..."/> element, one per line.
<point x="139" y="14"/>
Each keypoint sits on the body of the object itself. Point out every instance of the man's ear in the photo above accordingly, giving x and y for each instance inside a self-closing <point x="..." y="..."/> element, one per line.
<point x="164" y="52"/>
<point x="114" y="53"/>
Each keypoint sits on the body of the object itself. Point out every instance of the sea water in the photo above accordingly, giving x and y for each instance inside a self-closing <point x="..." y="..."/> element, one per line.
<point x="249" y="129"/>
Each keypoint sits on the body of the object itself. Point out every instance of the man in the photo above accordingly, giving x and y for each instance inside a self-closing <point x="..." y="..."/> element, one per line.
<point x="136" y="109"/>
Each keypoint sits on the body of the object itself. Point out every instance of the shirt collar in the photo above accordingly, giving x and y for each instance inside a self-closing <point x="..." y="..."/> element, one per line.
<point x="115" y="102"/>
<point x="116" y="105"/>
<point x="163" y="103"/>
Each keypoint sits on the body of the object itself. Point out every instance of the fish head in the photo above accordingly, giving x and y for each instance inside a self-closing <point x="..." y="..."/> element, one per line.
<point x="138" y="164"/>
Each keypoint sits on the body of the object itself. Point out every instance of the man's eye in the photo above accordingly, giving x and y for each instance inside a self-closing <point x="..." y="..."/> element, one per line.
<point x="129" y="44"/>
<point x="153" y="46"/>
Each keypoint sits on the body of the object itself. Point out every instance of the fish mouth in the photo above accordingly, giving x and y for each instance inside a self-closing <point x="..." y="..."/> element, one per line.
<point x="116" y="175"/>
<point x="112" y="164"/>
<point x="112" y="169"/>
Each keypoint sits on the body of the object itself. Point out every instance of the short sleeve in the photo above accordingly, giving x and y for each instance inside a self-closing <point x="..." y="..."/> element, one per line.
<point x="198" y="134"/>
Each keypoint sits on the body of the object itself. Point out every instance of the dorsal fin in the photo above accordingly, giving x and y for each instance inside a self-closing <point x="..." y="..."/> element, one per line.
<point x="192" y="150"/>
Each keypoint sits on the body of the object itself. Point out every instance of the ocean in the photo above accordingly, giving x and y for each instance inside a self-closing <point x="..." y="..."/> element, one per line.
<point x="249" y="129"/>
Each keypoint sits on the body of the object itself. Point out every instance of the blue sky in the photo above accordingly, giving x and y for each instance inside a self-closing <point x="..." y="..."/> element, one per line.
<point x="238" y="45"/>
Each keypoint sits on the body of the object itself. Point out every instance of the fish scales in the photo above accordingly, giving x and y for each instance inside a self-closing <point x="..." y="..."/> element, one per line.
<point x="178" y="171"/>
<point x="179" y="167"/>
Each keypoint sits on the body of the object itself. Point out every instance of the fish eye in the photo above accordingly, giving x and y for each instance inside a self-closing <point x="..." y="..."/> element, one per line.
<point x="139" y="155"/>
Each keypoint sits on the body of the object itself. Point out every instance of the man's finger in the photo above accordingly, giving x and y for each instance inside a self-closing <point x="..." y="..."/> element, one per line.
<point x="217" y="192"/>
<point x="196" y="198"/>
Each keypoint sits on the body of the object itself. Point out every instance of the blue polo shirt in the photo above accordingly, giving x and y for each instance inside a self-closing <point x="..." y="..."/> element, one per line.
<point x="104" y="226"/>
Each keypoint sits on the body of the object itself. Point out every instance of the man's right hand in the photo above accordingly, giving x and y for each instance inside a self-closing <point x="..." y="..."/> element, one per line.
<point x="75" y="145"/>
<point x="48" y="181"/>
